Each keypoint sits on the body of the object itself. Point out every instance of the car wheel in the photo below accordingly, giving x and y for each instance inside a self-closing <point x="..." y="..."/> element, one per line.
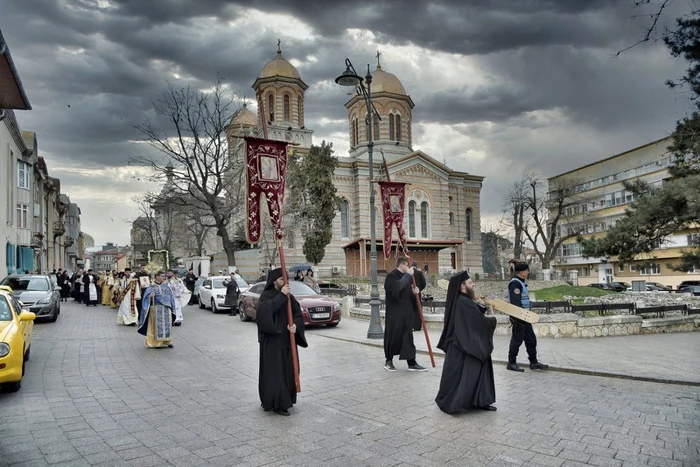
<point x="26" y="355"/>
<point x="15" y="386"/>
<point x="213" y="307"/>
<point x="201" y="305"/>
<point x="332" y="325"/>
<point x="54" y="316"/>
<point x="241" y="313"/>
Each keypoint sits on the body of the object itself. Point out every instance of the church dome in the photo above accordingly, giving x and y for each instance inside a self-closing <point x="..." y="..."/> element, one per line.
<point x="279" y="66"/>
<point x="244" y="116"/>
<point x="386" y="82"/>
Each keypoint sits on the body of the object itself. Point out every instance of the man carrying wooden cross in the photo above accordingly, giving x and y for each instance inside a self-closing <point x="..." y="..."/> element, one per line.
<point x="522" y="331"/>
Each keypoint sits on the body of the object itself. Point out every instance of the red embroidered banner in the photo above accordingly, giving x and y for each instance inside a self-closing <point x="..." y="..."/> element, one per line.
<point x="266" y="170"/>
<point x="393" y="195"/>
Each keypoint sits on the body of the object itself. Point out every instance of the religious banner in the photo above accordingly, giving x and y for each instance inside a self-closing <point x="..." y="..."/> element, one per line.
<point x="393" y="195"/>
<point x="266" y="170"/>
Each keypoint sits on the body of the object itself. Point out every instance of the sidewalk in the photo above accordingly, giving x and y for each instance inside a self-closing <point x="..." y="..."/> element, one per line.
<point x="668" y="358"/>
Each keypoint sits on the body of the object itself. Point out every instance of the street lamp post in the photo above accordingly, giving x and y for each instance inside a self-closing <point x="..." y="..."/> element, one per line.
<point x="350" y="80"/>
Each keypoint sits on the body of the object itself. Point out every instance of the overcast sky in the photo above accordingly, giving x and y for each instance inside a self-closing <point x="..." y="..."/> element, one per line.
<point x="501" y="87"/>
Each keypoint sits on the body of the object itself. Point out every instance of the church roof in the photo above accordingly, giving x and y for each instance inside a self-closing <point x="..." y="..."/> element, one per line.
<point x="279" y="66"/>
<point x="244" y="116"/>
<point x="383" y="81"/>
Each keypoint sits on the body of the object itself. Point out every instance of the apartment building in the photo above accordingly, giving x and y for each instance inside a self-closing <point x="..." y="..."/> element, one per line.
<point x="604" y="201"/>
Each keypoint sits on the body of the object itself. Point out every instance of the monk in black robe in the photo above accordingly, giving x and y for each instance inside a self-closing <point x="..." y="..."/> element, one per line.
<point x="276" y="382"/>
<point x="398" y="335"/>
<point x="420" y="283"/>
<point x="467" y="340"/>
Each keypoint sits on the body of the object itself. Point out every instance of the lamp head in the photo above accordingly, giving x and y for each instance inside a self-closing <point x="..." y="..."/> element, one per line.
<point x="348" y="81"/>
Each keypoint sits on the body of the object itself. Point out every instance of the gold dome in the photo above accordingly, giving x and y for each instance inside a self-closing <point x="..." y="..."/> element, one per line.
<point x="279" y="66"/>
<point x="386" y="82"/>
<point x="244" y="116"/>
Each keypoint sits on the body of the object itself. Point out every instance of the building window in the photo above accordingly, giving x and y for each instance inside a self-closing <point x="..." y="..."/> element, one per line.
<point x="290" y="239"/>
<point x="22" y="175"/>
<point x="300" y="111"/>
<point x="287" y="113"/>
<point x="650" y="269"/>
<point x="468" y="222"/>
<point x="271" y="106"/>
<point x="344" y="219"/>
<point x="23" y="216"/>
<point x="452" y="219"/>
<point x="375" y="137"/>
<point x="693" y="239"/>
<point x="620" y="267"/>
<point x="424" y="219"/>
<point x="391" y="127"/>
<point x="398" y="128"/>
<point x="412" y="219"/>
<point x="355" y="132"/>
<point x="571" y="249"/>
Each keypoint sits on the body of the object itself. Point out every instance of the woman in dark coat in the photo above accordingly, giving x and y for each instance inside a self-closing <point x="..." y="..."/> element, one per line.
<point x="231" y="300"/>
<point x="64" y="281"/>
<point x="467" y="340"/>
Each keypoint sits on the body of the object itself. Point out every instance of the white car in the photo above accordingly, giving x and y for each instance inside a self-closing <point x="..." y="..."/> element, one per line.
<point x="212" y="292"/>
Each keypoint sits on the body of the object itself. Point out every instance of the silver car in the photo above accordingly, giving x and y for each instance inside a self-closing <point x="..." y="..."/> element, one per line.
<point x="37" y="293"/>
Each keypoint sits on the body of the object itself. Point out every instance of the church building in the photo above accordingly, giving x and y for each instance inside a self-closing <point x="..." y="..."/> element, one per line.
<point x="442" y="212"/>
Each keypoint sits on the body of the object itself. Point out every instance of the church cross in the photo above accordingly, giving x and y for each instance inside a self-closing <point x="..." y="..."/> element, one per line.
<point x="378" y="54"/>
<point x="279" y="49"/>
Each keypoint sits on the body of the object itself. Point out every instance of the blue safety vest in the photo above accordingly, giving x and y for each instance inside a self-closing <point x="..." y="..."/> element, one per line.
<point x="524" y="295"/>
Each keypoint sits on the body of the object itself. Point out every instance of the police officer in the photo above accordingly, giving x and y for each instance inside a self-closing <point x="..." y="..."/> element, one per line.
<point x="522" y="331"/>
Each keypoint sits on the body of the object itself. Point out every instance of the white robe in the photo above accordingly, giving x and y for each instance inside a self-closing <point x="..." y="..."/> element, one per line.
<point x="178" y="289"/>
<point x="126" y="314"/>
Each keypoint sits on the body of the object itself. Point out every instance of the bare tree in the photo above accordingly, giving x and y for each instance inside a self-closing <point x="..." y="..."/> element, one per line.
<point x="156" y="227"/>
<point x="196" y="145"/>
<point x="514" y="215"/>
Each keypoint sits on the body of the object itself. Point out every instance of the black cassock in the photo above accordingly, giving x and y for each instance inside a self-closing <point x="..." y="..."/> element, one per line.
<point x="276" y="379"/>
<point x="467" y="373"/>
<point x="231" y="299"/>
<point x="398" y="335"/>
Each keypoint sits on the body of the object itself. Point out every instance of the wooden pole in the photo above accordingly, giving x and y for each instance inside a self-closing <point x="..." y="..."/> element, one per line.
<point x="422" y="320"/>
<point x="290" y="320"/>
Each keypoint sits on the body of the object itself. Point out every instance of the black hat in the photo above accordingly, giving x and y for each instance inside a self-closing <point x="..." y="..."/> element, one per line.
<point x="272" y="276"/>
<point x="521" y="267"/>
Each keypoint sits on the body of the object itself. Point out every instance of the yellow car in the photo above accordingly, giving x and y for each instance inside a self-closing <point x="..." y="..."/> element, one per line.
<point x="16" y="327"/>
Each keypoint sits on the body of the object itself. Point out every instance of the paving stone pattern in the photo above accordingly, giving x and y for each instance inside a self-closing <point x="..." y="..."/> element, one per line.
<point x="94" y="395"/>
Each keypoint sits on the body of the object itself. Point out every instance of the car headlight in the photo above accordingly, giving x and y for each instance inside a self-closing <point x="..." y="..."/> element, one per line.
<point x="336" y="307"/>
<point x="4" y="349"/>
<point x="220" y="296"/>
<point x="44" y="301"/>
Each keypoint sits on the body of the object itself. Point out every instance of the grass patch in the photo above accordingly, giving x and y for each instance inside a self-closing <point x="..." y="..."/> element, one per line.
<point x="554" y="294"/>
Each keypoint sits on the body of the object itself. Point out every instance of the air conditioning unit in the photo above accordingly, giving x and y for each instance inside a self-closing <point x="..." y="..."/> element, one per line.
<point x="336" y="269"/>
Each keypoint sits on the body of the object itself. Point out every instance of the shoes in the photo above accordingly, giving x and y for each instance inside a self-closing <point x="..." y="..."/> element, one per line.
<point x="514" y="367"/>
<point x="538" y="366"/>
<point x="283" y="412"/>
<point x="416" y="367"/>
<point x="170" y="346"/>
<point x="488" y="408"/>
<point x="389" y="366"/>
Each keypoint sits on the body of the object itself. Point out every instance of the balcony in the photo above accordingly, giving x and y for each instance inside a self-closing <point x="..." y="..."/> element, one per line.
<point x="59" y="228"/>
<point x="37" y="240"/>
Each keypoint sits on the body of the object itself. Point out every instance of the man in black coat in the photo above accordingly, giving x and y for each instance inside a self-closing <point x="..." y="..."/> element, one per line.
<point x="232" y="291"/>
<point x="420" y="283"/>
<point x="398" y="335"/>
<point x="276" y="381"/>
<point x="189" y="281"/>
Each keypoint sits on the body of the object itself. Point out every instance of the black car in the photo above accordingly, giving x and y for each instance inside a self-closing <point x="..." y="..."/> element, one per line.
<point x="656" y="287"/>
<point x="329" y="288"/>
<point x="620" y="286"/>
<point x="601" y="286"/>
<point x="688" y="283"/>
<point x="691" y="289"/>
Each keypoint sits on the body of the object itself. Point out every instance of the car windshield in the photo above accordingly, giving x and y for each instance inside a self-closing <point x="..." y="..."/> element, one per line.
<point x="5" y="312"/>
<point x="28" y="284"/>
<point x="218" y="283"/>
<point x="299" y="288"/>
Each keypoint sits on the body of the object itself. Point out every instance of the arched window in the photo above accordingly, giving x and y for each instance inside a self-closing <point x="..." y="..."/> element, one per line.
<point x="412" y="219"/>
<point x="424" y="219"/>
<point x="300" y="112"/>
<point x="344" y="219"/>
<point x="391" y="127"/>
<point x="354" y="137"/>
<point x="452" y="218"/>
<point x="408" y="131"/>
<point x="290" y="239"/>
<point x="469" y="224"/>
<point x="375" y="136"/>
<point x="287" y="113"/>
<point x="271" y="106"/>
<point x="398" y="128"/>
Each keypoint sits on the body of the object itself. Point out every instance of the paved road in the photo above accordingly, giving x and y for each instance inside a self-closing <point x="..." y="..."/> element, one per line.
<point x="665" y="357"/>
<point x="93" y="395"/>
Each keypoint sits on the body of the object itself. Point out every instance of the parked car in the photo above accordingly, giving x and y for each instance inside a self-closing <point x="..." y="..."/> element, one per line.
<point x="601" y="286"/>
<point x="38" y="294"/>
<point x="329" y="288"/>
<point x="687" y="283"/>
<point x="692" y="289"/>
<point x="317" y="309"/>
<point x="620" y="286"/>
<point x="16" y="327"/>
<point x="212" y="292"/>
<point x="659" y="287"/>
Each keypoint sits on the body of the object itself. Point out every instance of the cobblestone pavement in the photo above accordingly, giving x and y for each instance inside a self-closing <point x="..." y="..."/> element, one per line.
<point x="666" y="357"/>
<point x="94" y="395"/>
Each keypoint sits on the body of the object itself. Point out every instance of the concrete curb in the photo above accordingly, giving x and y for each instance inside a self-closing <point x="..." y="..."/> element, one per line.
<point x="563" y="369"/>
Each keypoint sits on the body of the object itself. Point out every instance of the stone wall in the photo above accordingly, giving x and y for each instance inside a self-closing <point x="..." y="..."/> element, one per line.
<point x="571" y="325"/>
